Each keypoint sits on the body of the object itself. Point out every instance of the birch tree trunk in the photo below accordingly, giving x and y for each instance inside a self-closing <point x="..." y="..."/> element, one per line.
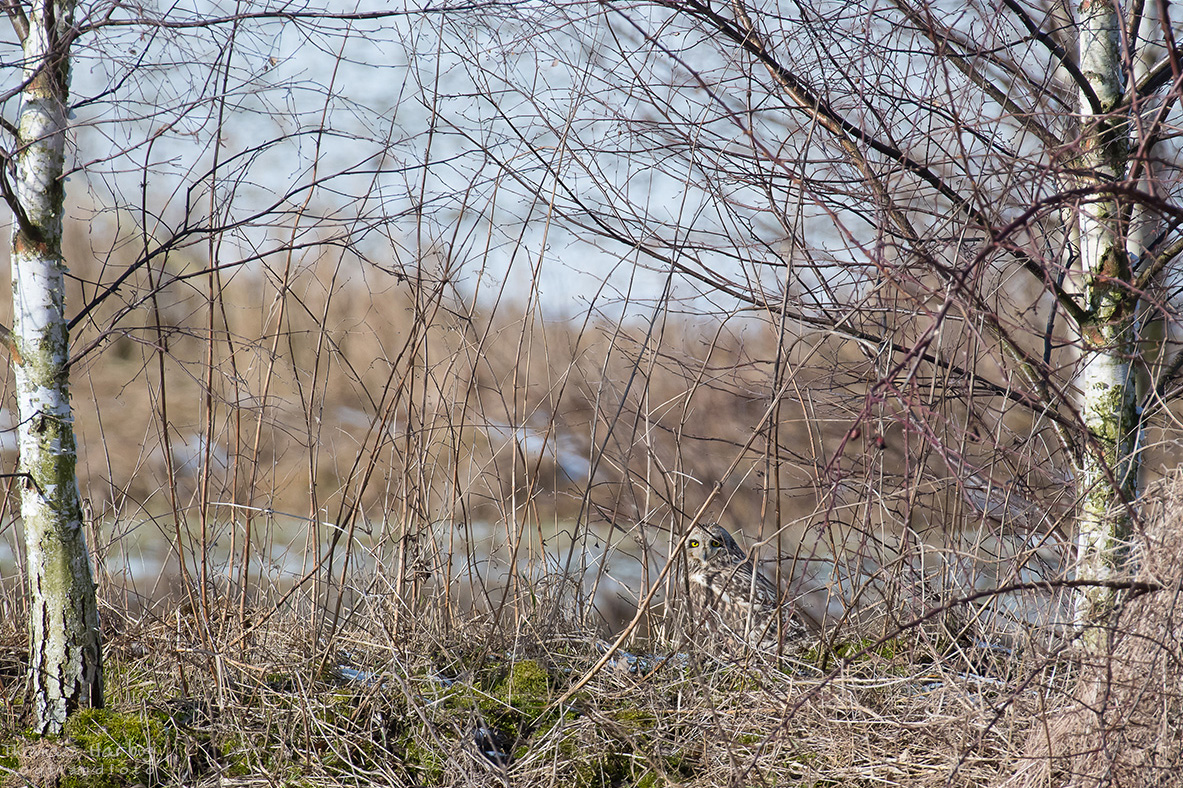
<point x="1108" y="476"/>
<point x="65" y="661"/>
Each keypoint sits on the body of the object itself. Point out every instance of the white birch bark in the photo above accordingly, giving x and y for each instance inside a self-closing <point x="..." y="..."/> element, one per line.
<point x="1106" y="379"/>
<point x="65" y="664"/>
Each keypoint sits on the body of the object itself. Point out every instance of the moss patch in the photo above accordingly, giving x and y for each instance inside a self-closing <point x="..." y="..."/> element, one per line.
<point x="525" y="689"/>
<point x="119" y="749"/>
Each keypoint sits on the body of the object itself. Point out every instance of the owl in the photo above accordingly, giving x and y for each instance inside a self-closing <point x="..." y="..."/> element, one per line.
<point x="737" y="602"/>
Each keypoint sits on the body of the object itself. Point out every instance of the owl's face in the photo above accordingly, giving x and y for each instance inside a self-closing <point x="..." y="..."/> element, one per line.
<point x="711" y="545"/>
<point x="733" y="598"/>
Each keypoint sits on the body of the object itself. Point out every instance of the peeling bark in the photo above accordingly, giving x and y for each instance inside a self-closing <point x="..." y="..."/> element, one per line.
<point x="1108" y="472"/>
<point x="65" y="661"/>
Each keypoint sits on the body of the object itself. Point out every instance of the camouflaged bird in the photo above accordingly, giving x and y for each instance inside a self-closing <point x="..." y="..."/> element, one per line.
<point x="738" y="603"/>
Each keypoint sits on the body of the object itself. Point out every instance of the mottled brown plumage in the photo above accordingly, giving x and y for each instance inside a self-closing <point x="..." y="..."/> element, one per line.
<point x="736" y="601"/>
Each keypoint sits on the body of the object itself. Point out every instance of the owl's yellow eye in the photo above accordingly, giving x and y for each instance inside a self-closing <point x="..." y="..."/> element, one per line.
<point x="693" y="543"/>
<point x="716" y="543"/>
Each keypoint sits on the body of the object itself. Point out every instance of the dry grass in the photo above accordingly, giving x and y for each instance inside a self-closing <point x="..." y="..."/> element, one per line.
<point x="476" y="707"/>
<point x="249" y="435"/>
<point x="1123" y="724"/>
<point x="359" y="530"/>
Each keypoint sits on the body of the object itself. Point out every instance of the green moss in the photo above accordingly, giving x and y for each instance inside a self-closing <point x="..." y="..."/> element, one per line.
<point x="121" y="749"/>
<point x="600" y="767"/>
<point x="635" y="718"/>
<point x="424" y="764"/>
<point x="526" y="688"/>
<point x="280" y="682"/>
<point x="340" y="738"/>
<point x="512" y="703"/>
<point x="239" y="755"/>
<point x="624" y="751"/>
<point x="865" y="648"/>
<point x="93" y="780"/>
<point x="857" y="652"/>
<point x="462" y="697"/>
<point x="675" y="771"/>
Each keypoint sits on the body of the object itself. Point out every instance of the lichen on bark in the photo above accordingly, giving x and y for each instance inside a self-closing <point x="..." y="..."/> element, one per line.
<point x="65" y="659"/>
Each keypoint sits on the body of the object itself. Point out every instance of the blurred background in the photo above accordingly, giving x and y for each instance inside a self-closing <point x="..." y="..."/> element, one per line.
<point x="434" y="312"/>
